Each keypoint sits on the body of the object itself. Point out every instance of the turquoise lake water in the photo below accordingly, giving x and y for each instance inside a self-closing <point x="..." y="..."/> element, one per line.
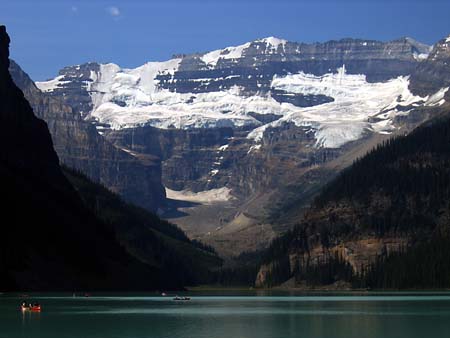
<point x="245" y="315"/>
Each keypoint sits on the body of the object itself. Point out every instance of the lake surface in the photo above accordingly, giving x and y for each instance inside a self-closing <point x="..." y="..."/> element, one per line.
<point x="244" y="315"/>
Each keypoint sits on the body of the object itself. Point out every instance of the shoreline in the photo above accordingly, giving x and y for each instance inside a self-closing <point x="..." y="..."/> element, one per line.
<point x="305" y="290"/>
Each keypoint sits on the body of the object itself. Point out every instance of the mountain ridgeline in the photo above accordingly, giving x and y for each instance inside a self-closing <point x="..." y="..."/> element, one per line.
<point x="60" y="231"/>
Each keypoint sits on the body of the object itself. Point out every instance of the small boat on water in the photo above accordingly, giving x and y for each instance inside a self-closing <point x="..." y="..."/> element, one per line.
<point x="181" y="298"/>
<point x="35" y="307"/>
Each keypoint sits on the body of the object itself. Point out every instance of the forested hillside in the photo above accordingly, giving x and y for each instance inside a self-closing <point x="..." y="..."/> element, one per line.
<point x="147" y="237"/>
<point x="383" y="223"/>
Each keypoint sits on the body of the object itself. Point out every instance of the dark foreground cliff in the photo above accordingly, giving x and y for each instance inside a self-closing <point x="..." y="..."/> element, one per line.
<point x="54" y="240"/>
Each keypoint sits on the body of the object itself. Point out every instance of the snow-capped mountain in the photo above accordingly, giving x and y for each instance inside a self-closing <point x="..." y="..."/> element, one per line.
<point x="251" y="119"/>
<point x="240" y="94"/>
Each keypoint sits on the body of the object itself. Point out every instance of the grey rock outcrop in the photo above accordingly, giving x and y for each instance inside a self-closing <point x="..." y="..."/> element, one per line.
<point x="79" y="145"/>
<point x="433" y="73"/>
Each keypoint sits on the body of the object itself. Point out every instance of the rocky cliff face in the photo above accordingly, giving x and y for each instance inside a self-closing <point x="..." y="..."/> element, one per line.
<point x="434" y="73"/>
<point x="358" y="253"/>
<point x="80" y="146"/>
<point x="188" y="156"/>
<point x="253" y="65"/>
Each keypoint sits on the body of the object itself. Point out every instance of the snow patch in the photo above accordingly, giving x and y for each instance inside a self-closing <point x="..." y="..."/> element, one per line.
<point x="134" y="87"/>
<point x="51" y="85"/>
<point x="204" y="197"/>
<point x="254" y="147"/>
<point x="237" y="52"/>
<point x="273" y="43"/>
<point x="420" y="56"/>
<point x="345" y="119"/>
<point x="213" y="57"/>
<point x="224" y="147"/>
<point x="437" y="99"/>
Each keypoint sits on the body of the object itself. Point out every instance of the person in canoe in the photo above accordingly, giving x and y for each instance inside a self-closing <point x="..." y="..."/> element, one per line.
<point x="35" y="307"/>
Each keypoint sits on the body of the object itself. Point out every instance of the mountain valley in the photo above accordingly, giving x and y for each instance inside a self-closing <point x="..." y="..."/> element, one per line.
<point x="257" y="126"/>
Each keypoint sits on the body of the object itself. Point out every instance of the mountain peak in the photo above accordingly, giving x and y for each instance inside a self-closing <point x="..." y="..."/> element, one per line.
<point x="419" y="47"/>
<point x="236" y="52"/>
<point x="273" y="41"/>
<point x="441" y="50"/>
<point x="447" y="39"/>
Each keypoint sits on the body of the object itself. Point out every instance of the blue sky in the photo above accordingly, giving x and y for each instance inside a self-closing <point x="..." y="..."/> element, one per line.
<point x="50" y="34"/>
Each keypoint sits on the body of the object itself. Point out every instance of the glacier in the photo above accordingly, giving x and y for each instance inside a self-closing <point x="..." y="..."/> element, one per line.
<point x="126" y="98"/>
